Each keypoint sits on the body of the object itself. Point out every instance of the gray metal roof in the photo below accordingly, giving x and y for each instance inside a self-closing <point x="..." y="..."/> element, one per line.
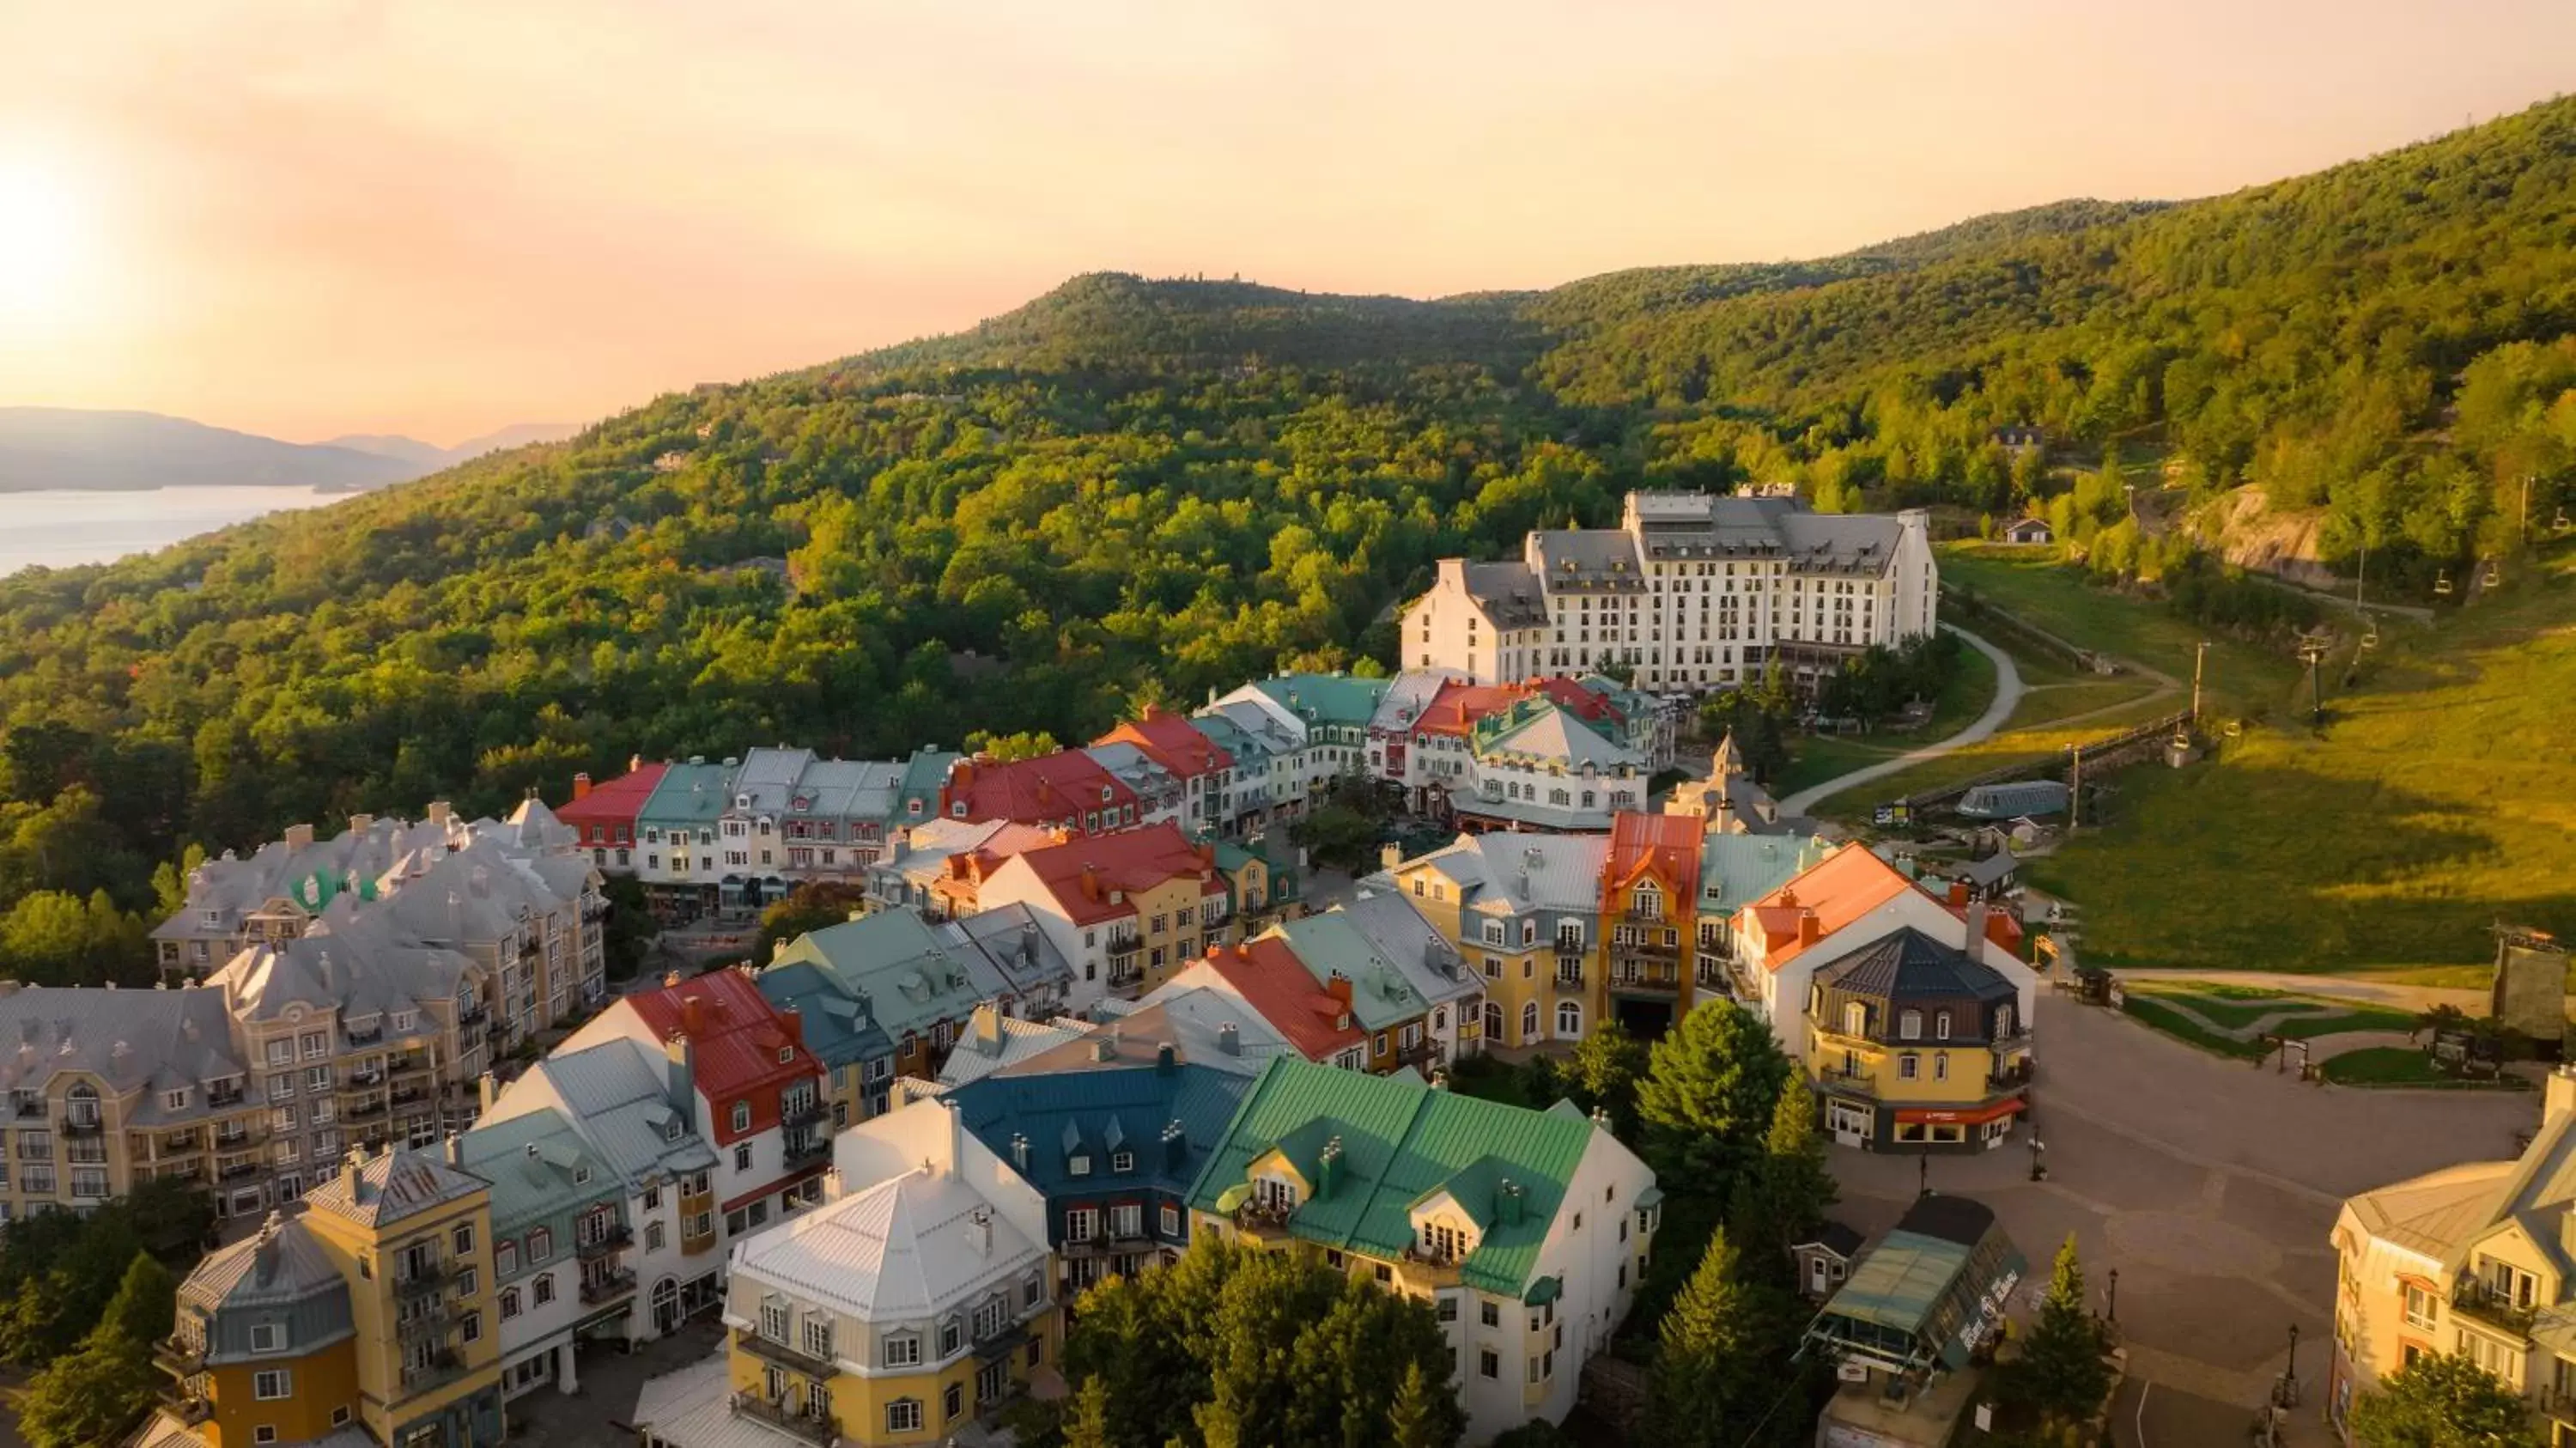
<point x="620" y="1097"/>
<point x="129" y="1040"/>
<point x="389" y="1187"/>
<point x="1410" y="942"/>
<point x="540" y="1169"/>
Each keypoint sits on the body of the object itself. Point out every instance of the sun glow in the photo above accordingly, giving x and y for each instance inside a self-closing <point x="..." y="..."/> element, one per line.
<point x="45" y="245"/>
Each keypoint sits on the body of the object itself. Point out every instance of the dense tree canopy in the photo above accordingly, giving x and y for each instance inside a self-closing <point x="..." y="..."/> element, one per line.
<point x="1135" y="490"/>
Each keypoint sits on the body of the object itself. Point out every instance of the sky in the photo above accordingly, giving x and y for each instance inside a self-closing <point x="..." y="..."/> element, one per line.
<point x="307" y="219"/>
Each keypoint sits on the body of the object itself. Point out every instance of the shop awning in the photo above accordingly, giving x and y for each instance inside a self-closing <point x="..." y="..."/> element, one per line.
<point x="1969" y="1116"/>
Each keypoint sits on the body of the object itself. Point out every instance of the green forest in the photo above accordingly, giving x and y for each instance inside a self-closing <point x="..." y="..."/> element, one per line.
<point x="1134" y="490"/>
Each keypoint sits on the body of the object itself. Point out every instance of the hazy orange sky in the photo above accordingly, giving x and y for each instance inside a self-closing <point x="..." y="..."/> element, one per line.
<point x="438" y="218"/>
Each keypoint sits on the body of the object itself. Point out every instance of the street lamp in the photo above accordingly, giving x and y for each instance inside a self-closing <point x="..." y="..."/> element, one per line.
<point x="2291" y="1372"/>
<point x="2038" y="1168"/>
<point x="2114" y="1300"/>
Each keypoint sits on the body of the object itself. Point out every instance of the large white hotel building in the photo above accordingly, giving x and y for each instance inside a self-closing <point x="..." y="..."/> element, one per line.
<point x="1695" y="590"/>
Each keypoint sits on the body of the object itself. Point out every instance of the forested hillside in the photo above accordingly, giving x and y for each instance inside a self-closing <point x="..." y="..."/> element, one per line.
<point x="1132" y="490"/>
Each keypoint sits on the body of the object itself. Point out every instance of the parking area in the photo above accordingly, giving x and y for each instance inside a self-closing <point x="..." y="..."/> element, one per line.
<point x="599" y="1414"/>
<point x="2209" y="1185"/>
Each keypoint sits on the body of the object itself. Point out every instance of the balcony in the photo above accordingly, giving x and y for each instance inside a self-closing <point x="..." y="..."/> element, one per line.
<point x="1423" y="1053"/>
<point x="805" y="1115"/>
<point x="2559" y="1402"/>
<point x="181" y="1143"/>
<point x="607" y="1287"/>
<point x="80" y="1126"/>
<point x="364" y="1110"/>
<point x="532" y="949"/>
<point x="812" y="1148"/>
<point x="410" y="1065"/>
<point x="442" y="1367"/>
<point x="222" y="1096"/>
<point x="186" y="1406"/>
<point x="367" y="1037"/>
<point x="238" y="1171"/>
<point x="410" y="1095"/>
<point x="1649" y="949"/>
<point x="362" y="1077"/>
<point x="429" y="1319"/>
<point x="821" y="1432"/>
<point x="1569" y="979"/>
<point x="1263" y="1223"/>
<point x="613" y="1240"/>
<point x="422" y="1280"/>
<point x="31" y="1110"/>
<point x="793" y="1359"/>
<point x="178" y="1359"/>
<point x="1646" y="978"/>
<point x="2474" y="1299"/>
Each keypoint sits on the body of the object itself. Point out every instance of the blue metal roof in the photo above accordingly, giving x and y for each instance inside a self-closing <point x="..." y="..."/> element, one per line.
<point x="1097" y="1111"/>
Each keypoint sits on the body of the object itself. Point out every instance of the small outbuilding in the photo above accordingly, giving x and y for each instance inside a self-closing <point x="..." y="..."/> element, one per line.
<point x="2030" y="530"/>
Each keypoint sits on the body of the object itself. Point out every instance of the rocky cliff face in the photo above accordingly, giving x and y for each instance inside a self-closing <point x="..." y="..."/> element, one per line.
<point x="2246" y="533"/>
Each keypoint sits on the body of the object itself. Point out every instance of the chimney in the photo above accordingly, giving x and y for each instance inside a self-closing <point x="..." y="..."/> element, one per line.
<point x="1165" y="1058"/>
<point x="1810" y="929"/>
<point x="1958" y="894"/>
<point x="359" y="824"/>
<point x="1976" y="931"/>
<point x="670" y="979"/>
<point x="692" y="1015"/>
<point x="1020" y="1152"/>
<point x="1104" y="1048"/>
<point x="794" y="1024"/>
<point x="984" y="1030"/>
<point x="1338" y="986"/>
<point x="349" y="1171"/>
<point x="486" y="1092"/>
<point x="454" y="1148"/>
<point x="440" y="812"/>
<point x="680" y="1060"/>
<point x="298" y="836"/>
<point x="982" y="1231"/>
<point x="956" y="1134"/>
<point x="581" y="786"/>
<point x="634" y="762"/>
<point x="833" y="1188"/>
<point x="1328" y="1168"/>
<point x="1229" y="1039"/>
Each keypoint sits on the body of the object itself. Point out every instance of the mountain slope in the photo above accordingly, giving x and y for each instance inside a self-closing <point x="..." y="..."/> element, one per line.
<point x="1137" y="490"/>
<point x="49" y="447"/>
<point x="426" y="458"/>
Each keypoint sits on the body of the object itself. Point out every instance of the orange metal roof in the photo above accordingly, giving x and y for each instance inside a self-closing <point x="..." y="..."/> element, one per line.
<point x="1171" y="741"/>
<point x="1273" y="981"/>
<point x="735" y="1036"/>
<point x="1083" y="875"/>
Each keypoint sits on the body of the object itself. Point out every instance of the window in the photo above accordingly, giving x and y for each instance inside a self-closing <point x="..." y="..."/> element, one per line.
<point x="952" y="1336"/>
<point x="1940" y="1025"/>
<point x="1448" y="1309"/>
<point x="653" y="1236"/>
<point x="1569" y="1019"/>
<point x="1080" y="1224"/>
<point x="509" y="1303"/>
<point x="465" y="1282"/>
<point x="1908" y="1067"/>
<point x="541" y="1244"/>
<point x="544" y="1288"/>
<point x="952" y="1401"/>
<point x="1171" y="1221"/>
<point x="1490" y="1315"/>
<point x="505" y="1258"/>
<point x="1855" y="1019"/>
<point x="2419" y="1308"/>
<point x="264" y="1433"/>
<point x="742" y="1116"/>
<point x="2003" y="1021"/>
<point x="273" y="1384"/>
<point x="1127" y="1220"/>
<point x="1489" y="1364"/>
<point x="1940" y="1065"/>
<point x="267" y="1337"/>
<point x="473" y="1322"/>
<point x="1079" y="1164"/>
<point x="818" y="1337"/>
<point x="1122" y="1161"/>
<point x="463" y="1240"/>
<point x="175" y="1100"/>
<point x="903" y="1415"/>
<point x="742" y="1157"/>
<point x="903" y="1352"/>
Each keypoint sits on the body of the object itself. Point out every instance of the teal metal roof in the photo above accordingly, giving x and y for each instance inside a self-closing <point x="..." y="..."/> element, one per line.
<point x="908" y="977"/>
<point x="1736" y="870"/>
<point x="1326" y="698"/>
<point x="690" y="794"/>
<point x="540" y="1169"/>
<point x="1401" y="1141"/>
<point x="836" y="1030"/>
<point x="1898" y="1283"/>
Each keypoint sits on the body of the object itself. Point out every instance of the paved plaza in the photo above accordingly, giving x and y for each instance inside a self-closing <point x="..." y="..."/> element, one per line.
<point x="599" y="1414"/>
<point x="2211" y="1186"/>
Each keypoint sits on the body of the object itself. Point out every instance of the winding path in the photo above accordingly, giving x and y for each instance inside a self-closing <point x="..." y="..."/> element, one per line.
<point x="2008" y="692"/>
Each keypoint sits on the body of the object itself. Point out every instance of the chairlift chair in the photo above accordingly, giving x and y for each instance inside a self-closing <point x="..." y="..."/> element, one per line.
<point x="2370" y="635"/>
<point x="2442" y="582"/>
<point x="2494" y="576"/>
<point x="2562" y="524"/>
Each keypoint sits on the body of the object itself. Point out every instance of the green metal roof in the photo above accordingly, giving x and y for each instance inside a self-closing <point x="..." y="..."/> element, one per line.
<point x="1896" y="1285"/>
<point x="1544" y="1291"/>
<point x="909" y="976"/>
<point x="1327" y="698"/>
<point x="1402" y="1141"/>
<point x="533" y="1162"/>
<point x="1736" y="870"/>
<point x="689" y="794"/>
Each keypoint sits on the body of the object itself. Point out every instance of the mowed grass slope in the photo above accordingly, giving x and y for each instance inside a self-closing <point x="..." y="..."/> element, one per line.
<point x="2440" y="799"/>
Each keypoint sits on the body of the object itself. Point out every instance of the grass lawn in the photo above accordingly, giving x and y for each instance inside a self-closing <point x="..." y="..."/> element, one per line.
<point x="2038" y="589"/>
<point x="1816" y="758"/>
<point x="2440" y="799"/>
<point x="2048" y="703"/>
<point x="2182" y="1028"/>
<point x="2404" y="1066"/>
<point x="2239" y="1007"/>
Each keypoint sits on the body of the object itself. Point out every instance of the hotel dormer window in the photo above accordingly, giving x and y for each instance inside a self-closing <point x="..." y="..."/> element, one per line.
<point x="1855" y="1019"/>
<point x="1909" y="1025"/>
<point x="773" y="1319"/>
<point x="1940" y="1025"/>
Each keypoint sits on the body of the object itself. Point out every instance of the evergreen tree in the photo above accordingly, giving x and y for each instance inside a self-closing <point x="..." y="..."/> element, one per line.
<point x="145" y="1304"/>
<point x="1420" y="1416"/>
<point x="1086" y="1425"/>
<point x="1796" y="1187"/>
<point x="1705" y="1347"/>
<point x="1708" y="1094"/>
<point x="1603" y="1072"/>
<point x="2060" y="1372"/>
<point x="92" y="1396"/>
<point x="2443" y="1400"/>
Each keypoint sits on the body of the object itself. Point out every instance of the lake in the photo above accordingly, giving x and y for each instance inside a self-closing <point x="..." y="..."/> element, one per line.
<point x="59" y="528"/>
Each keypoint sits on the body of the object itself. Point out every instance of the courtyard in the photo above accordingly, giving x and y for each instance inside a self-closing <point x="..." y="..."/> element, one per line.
<point x="2210" y="1186"/>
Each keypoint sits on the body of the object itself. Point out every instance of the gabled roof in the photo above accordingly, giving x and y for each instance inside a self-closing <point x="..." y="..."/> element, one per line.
<point x="389" y="1187"/>
<point x="1666" y="845"/>
<point x="1270" y="978"/>
<point x="837" y="1030"/>
<point x="618" y="1095"/>
<point x="909" y="1248"/>
<point x="278" y="1265"/>
<point x="1047" y="789"/>
<point x="1907" y="965"/>
<point x="2437" y="1214"/>
<point x="1324" y="698"/>
<point x="741" y="1043"/>
<point x="1171" y="741"/>
<point x="1190" y="1015"/>
<point x="1408" y="939"/>
<point x="1850" y="883"/>
<point x="994" y="1042"/>
<point x="895" y="969"/>
<point x="1123" y="1107"/>
<point x="616" y="802"/>
<point x="1542" y="728"/>
<point x="539" y="1167"/>
<point x="689" y="794"/>
<point x="1330" y="945"/>
<point x="1735" y="869"/>
<point x="1401" y="1140"/>
<point x="1523" y="872"/>
<point x="148" y="1040"/>
<point x="2537" y="1194"/>
<point x="1097" y="878"/>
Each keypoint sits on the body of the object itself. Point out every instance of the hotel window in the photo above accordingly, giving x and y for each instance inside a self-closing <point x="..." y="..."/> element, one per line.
<point x="545" y="1288"/>
<point x="1080" y="1223"/>
<point x="267" y="1337"/>
<point x="2419" y="1307"/>
<point x="1909" y="1025"/>
<point x="903" y="1415"/>
<point x="1122" y="1161"/>
<point x="818" y="1337"/>
<point x="952" y="1336"/>
<point x="1940" y="1025"/>
<point x="1908" y="1067"/>
<point x="903" y="1352"/>
<point x="1940" y="1065"/>
<point x="509" y="1303"/>
<point x="1855" y="1019"/>
<point x="1127" y="1220"/>
<point x="272" y="1384"/>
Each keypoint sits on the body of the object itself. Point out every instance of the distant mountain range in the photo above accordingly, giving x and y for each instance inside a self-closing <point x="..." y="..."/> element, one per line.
<point x="58" y="447"/>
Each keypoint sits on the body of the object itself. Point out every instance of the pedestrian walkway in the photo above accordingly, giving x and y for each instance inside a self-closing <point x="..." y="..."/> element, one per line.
<point x="2008" y="692"/>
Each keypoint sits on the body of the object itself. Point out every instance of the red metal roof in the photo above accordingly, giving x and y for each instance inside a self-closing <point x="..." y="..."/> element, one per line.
<point x="615" y="803"/>
<point x="1087" y="876"/>
<point x="1666" y="845"/>
<point x="1171" y="741"/>
<point x="1067" y="788"/>
<point x="1273" y="981"/>
<point x="742" y="1047"/>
